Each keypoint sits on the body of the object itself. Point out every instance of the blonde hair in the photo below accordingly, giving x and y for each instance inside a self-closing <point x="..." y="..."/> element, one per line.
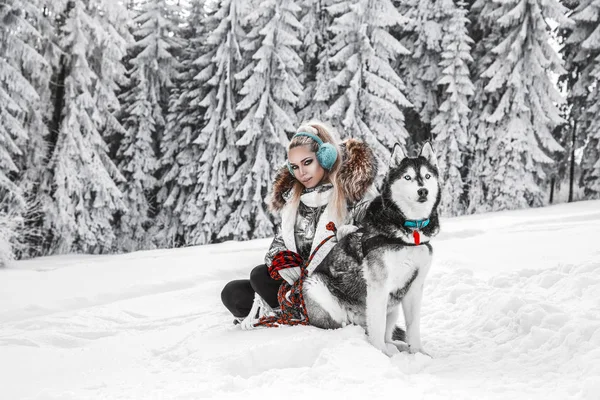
<point x="328" y="135"/>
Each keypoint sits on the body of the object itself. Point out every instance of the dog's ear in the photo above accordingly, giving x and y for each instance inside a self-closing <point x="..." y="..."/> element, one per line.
<point x="428" y="154"/>
<point x="397" y="155"/>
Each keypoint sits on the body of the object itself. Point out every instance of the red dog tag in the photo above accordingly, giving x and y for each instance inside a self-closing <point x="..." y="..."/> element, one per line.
<point x="417" y="237"/>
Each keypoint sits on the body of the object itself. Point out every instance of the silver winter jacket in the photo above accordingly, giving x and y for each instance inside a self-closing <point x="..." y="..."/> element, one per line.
<point x="306" y="223"/>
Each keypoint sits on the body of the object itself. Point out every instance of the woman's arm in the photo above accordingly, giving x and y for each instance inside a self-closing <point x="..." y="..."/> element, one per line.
<point x="277" y="245"/>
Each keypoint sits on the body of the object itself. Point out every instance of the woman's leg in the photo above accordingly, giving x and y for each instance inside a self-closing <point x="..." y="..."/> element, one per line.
<point x="238" y="296"/>
<point x="264" y="285"/>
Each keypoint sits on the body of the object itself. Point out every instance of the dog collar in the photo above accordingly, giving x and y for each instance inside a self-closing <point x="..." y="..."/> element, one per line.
<point x="418" y="224"/>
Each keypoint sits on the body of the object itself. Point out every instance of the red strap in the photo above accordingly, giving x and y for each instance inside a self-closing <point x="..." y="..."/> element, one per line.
<point x="417" y="237"/>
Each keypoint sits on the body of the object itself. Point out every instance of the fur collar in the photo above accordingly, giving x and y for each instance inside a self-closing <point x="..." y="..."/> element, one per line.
<point x="357" y="174"/>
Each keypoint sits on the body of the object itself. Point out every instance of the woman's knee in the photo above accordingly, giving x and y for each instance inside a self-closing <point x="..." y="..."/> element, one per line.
<point x="264" y="285"/>
<point x="237" y="296"/>
<point x="259" y="275"/>
<point x="227" y="294"/>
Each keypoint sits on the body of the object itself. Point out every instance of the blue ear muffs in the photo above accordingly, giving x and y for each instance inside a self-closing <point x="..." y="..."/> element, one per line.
<point x="326" y="155"/>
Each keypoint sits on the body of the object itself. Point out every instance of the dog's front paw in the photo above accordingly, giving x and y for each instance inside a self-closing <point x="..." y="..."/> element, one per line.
<point x="390" y="350"/>
<point x="401" y="346"/>
<point x="386" y="348"/>
<point x="415" y="350"/>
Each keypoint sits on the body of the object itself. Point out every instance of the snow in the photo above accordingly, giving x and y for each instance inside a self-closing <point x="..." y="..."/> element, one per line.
<point x="511" y="309"/>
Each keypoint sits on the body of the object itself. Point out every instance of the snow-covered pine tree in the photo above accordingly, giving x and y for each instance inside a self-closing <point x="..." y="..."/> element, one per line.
<point x="422" y="36"/>
<point x="581" y="52"/>
<point x="78" y="190"/>
<point x="519" y="108"/>
<point x="12" y="131"/>
<point x="12" y="103"/>
<point x="109" y="64"/>
<point x="210" y="205"/>
<point x="369" y="94"/>
<point x="271" y="90"/>
<point x="566" y="169"/>
<point x="24" y="78"/>
<point x="152" y="69"/>
<point x="315" y="52"/>
<point x="482" y="104"/>
<point x="179" y="155"/>
<point x="27" y="47"/>
<point x="450" y="124"/>
<point x="10" y="220"/>
<point x="590" y="174"/>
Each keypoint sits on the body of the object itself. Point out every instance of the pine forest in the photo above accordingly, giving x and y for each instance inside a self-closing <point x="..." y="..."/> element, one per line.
<point x="143" y="124"/>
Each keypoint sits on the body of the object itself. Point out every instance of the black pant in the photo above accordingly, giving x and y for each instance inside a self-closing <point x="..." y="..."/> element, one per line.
<point x="238" y="295"/>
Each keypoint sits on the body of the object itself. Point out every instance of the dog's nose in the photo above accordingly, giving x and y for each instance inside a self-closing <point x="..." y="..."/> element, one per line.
<point x="422" y="192"/>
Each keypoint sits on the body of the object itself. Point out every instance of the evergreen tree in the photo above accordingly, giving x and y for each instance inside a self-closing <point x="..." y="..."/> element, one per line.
<point x="211" y="204"/>
<point x="451" y="123"/>
<point x="108" y="61"/>
<point x="581" y="52"/>
<point x="482" y="104"/>
<point x="179" y="160"/>
<point x="20" y="109"/>
<point x="315" y="52"/>
<point x="422" y="36"/>
<point x="79" y="192"/>
<point x="152" y="69"/>
<point x="518" y="111"/>
<point x="369" y="93"/>
<point x="26" y="53"/>
<point x="271" y="90"/>
<point x="9" y="224"/>
<point x="24" y="73"/>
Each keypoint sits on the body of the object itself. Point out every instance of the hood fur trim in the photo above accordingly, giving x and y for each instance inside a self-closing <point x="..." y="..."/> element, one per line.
<point x="357" y="174"/>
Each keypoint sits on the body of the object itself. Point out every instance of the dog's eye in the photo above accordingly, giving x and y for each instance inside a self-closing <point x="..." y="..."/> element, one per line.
<point x="427" y="176"/>
<point x="407" y="177"/>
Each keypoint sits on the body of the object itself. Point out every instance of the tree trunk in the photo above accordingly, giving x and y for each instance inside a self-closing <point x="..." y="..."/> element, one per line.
<point x="59" y="86"/>
<point x="59" y="103"/>
<point x="572" y="169"/>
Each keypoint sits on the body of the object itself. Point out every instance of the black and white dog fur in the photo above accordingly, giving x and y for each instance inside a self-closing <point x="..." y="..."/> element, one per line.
<point x="374" y="270"/>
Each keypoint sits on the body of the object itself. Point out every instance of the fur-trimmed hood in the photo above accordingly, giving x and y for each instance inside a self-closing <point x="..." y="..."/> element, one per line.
<point x="356" y="175"/>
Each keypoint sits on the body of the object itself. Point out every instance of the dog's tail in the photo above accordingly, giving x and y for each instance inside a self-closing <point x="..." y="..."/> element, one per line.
<point x="399" y="334"/>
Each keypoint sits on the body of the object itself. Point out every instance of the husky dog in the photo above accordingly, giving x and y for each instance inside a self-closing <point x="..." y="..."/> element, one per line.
<point x="375" y="269"/>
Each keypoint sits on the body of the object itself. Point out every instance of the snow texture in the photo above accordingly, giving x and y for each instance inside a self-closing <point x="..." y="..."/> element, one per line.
<point x="511" y="310"/>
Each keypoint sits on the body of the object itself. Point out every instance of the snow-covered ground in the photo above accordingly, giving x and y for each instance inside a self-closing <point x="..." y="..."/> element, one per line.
<point x="511" y="310"/>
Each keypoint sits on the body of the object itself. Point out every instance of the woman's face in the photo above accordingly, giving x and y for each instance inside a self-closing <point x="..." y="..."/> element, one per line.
<point x="306" y="168"/>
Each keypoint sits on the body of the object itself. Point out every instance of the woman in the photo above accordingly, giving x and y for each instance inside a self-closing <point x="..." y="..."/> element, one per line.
<point x="321" y="182"/>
